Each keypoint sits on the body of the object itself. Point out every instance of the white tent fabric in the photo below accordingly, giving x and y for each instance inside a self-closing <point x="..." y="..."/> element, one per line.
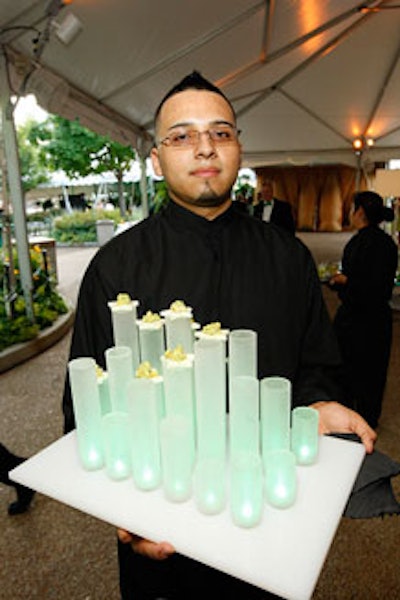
<point x="305" y="76"/>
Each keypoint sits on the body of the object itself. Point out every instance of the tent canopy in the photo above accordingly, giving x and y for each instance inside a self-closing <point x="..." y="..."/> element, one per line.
<point x="305" y="76"/>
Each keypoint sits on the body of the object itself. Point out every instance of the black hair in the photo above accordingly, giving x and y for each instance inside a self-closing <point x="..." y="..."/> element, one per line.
<point x="373" y="206"/>
<point x="194" y="81"/>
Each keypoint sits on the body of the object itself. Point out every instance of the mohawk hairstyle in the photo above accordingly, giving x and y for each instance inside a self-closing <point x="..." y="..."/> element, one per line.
<point x="194" y="81"/>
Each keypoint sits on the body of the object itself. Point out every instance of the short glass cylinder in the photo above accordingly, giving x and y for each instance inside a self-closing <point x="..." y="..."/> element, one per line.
<point x="117" y="447"/>
<point x="246" y="489"/>
<point x="280" y="478"/>
<point x="304" y="434"/>
<point x="209" y="486"/>
<point x="176" y="457"/>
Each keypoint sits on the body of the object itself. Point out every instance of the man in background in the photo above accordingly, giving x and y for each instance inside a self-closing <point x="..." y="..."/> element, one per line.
<point x="271" y="209"/>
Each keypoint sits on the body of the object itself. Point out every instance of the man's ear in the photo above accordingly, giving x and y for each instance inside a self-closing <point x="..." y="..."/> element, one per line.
<point x="155" y="159"/>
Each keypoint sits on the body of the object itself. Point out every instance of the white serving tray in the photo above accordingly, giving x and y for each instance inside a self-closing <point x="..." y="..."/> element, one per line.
<point x="284" y="554"/>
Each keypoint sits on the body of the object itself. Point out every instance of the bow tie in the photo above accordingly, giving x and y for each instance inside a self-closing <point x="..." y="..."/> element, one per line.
<point x="267" y="202"/>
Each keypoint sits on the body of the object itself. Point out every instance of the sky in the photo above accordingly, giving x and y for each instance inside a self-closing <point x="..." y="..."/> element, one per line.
<point x="28" y="108"/>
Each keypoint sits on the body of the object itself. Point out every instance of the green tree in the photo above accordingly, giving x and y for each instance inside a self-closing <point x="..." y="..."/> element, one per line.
<point x="33" y="172"/>
<point x="79" y="152"/>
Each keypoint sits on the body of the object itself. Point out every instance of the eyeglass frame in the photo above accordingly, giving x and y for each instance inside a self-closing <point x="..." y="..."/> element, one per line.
<point x="166" y="141"/>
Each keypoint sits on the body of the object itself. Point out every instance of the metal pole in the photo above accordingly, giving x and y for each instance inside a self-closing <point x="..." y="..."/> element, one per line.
<point x="358" y="171"/>
<point x="143" y="187"/>
<point x="15" y="186"/>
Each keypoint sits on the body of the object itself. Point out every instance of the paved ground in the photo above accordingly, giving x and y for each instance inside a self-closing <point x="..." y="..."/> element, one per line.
<point x="56" y="553"/>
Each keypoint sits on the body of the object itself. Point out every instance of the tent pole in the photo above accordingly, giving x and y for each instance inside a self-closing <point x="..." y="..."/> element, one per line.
<point x="143" y="186"/>
<point x="15" y="185"/>
<point x="358" y="171"/>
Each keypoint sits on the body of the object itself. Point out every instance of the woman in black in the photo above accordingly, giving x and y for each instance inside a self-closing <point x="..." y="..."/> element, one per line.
<point x="363" y="322"/>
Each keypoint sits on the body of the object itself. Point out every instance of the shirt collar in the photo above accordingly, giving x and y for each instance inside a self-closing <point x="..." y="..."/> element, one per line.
<point x="186" y="219"/>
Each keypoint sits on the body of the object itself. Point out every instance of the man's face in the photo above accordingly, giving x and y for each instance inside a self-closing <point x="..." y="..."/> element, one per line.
<point x="199" y="175"/>
<point x="267" y="191"/>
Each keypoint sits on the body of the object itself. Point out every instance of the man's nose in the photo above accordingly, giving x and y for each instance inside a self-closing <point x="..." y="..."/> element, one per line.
<point x="205" y="146"/>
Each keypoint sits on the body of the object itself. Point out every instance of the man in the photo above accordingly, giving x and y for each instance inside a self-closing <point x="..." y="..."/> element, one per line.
<point x="229" y="267"/>
<point x="271" y="209"/>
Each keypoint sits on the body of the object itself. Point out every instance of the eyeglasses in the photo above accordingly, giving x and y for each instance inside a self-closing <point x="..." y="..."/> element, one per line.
<point x="183" y="138"/>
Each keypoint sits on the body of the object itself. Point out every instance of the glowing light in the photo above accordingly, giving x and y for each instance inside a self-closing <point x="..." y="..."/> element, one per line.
<point x="311" y="17"/>
<point x="358" y="144"/>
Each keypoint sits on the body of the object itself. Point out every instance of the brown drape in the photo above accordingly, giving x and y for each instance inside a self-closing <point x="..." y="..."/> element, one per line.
<point x="320" y="196"/>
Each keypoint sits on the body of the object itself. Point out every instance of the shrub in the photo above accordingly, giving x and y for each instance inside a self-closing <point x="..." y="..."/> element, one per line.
<point x="80" y="227"/>
<point x="47" y="303"/>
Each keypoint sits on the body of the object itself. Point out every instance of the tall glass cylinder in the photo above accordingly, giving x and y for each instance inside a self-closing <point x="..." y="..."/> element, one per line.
<point x="177" y="464"/>
<point x="152" y="342"/>
<point x="210" y="387"/>
<point x="275" y="400"/>
<point x="125" y="329"/>
<point x="120" y="372"/>
<point x="242" y="348"/>
<point x="159" y="385"/>
<point x="145" y="442"/>
<point x="179" y="392"/>
<point x="104" y="392"/>
<point x="86" y="404"/>
<point x="305" y="434"/>
<point x="244" y="415"/>
<point x="179" y="330"/>
<point x="117" y="445"/>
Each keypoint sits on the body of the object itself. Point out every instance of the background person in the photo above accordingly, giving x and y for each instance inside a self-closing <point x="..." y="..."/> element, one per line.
<point x="363" y="322"/>
<point x="271" y="209"/>
<point x="9" y="461"/>
<point x="228" y="268"/>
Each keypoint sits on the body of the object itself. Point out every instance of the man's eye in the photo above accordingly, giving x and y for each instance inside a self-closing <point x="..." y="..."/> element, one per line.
<point x="222" y="134"/>
<point x="180" y="138"/>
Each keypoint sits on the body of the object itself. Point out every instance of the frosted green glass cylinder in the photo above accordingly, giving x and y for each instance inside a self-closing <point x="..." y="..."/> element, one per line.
<point x="179" y="392"/>
<point x="244" y="415"/>
<point x="145" y="440"/>
<point x="117" y="447"/>
<point x="242" y="354"/>
<point x="120" y="372"/>
<point x="86" y="403"/>
<point x="304" y="440"/>
<point x="159" y="384"/>
<point x="177" y="463"/>
<point x="210" y="390"/>
<point x="179" y="331"/>
<point x="246" y="489"/>
<point x="104" y="393"/>
<point x="275" y="401"/>
<point x="209" y="486"/>
<point x="125" y="329"/>
<point x="281" y="479"/>
<point x="152" y="343"/>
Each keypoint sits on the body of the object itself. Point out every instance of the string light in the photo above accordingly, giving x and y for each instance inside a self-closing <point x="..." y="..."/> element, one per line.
<point x="360" y="143"/>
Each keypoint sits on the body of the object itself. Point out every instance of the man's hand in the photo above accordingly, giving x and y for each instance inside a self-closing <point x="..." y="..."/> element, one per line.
<point x="156" y="551"/>
<point x="338" y="279"/>
<point x="336" y="418"/>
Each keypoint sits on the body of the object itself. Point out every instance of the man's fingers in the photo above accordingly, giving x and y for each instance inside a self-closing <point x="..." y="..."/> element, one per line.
<point x="124" y="536"/>
<point x="156" y="551"/>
